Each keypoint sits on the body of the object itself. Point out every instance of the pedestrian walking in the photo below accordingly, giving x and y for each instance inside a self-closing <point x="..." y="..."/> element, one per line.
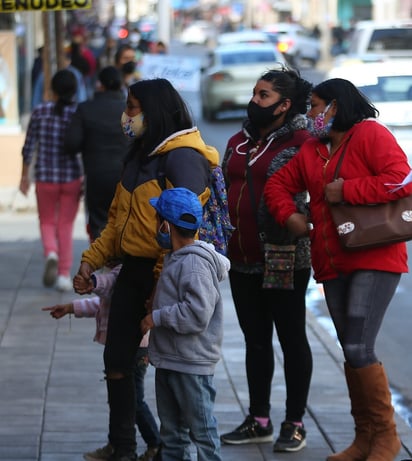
<point x="58" y="178"/>
<point x="96" y="133"/>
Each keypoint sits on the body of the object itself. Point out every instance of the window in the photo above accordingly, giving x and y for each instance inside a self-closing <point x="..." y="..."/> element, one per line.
<point x="391" y="39"/>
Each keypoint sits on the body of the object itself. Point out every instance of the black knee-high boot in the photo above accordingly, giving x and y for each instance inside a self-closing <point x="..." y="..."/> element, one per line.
<point x="122" y="403"/>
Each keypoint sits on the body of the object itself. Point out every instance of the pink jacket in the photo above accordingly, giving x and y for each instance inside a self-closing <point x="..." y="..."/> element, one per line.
<point x="99" y="306"/>
<point x="372" y="158"/>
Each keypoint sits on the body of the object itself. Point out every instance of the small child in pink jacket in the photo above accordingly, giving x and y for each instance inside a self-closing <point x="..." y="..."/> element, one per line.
<point x="98" y="307"/>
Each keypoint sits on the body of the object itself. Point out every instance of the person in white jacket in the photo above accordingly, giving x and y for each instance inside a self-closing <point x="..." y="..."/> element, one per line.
<point x="98" y="307"/>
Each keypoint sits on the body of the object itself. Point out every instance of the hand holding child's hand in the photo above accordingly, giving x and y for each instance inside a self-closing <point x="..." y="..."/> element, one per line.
<point x="84" y="272"/>
<point x="59" y="310"/>
<point x="82" y="285"/>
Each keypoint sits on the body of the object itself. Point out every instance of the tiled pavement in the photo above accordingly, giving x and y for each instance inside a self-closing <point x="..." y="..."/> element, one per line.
<point x="52" y="396"/>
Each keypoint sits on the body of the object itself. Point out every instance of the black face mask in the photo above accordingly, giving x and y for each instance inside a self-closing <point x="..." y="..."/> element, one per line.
<point x="261" y="117"/>
<point x="129" y="67"/>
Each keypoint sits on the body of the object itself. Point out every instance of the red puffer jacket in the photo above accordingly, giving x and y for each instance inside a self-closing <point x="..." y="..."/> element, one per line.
<point x="372" y="159"/>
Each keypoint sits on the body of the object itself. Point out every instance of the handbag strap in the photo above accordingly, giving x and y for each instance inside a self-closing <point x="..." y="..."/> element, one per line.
<point x="339" y="164"/>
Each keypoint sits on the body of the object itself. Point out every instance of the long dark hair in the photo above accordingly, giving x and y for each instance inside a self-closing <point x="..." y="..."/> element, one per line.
<point x="351" y="105"/>
<point x="289" y="84"/>
<point x="64" y="85"/>
<point x="164" y="111"/>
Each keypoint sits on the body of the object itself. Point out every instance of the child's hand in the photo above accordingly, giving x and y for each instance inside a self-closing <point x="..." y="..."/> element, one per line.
<point x="59" y="310"/>
<point x="146" y="324"/>
<point x="82" y="285"/>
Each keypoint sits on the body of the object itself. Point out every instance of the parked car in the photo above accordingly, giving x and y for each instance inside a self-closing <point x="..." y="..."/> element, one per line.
<point x="243" y="36"/>
<point x="298" y="44"/>
<point x="388" y="85"/>
<point x="198" y="33"/>
<point x="228" y="82"/>
<point x="372" y="40"/>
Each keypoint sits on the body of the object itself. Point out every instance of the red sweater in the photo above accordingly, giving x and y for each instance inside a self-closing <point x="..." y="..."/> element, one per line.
<point x="244" y="245"/>
<point x="372" y="159"/>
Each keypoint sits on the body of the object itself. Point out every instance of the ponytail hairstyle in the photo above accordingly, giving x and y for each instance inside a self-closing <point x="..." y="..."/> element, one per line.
<point x="64" y="86"/>
<point x="288" y="83"/>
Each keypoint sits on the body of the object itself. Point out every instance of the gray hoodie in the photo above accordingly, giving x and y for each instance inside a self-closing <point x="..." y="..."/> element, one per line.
<point x="188" y="310"/>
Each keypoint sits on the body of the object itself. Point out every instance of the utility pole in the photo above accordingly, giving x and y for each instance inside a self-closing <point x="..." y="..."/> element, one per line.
<point x="54" y="54"/>
<point x="60" y="51"/>
<point x="164" y="14"/>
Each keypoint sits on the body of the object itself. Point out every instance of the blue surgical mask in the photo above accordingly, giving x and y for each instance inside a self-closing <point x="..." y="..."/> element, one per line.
<point x="163" y="238"/>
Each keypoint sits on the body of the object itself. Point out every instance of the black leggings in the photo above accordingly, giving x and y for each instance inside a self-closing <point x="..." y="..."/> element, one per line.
<point x="133" y="287"/>
<point x="257" y="310"/>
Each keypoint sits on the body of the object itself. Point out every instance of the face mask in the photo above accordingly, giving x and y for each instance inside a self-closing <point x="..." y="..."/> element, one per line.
<point x="262" y="117"/>
<point x="133" y="126"/>
<point x="317" y="126"/>
<point x="163" y="238"/>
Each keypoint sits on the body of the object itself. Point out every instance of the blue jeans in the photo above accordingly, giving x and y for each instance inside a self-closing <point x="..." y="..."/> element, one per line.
<point x="357" y="303"/>
<point x="144" y="418"/>
<point x="185" y="407"/>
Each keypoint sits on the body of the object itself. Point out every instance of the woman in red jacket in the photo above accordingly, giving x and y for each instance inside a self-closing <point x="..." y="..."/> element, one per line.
<point x="358" y="285"/>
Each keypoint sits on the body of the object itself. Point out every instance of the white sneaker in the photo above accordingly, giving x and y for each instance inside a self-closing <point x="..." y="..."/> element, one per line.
<point x="50" y="270"/>
<point x="64" y="283"/>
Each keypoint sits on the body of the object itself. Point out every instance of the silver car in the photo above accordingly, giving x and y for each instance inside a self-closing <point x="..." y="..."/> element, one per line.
<point x="227" y="83"/>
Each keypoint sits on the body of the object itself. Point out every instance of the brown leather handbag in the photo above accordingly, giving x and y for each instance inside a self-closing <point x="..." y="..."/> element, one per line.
<point x="361" y="227"/>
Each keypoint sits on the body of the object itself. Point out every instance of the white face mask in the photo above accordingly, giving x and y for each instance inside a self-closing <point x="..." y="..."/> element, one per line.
<point x="133" y="127"/>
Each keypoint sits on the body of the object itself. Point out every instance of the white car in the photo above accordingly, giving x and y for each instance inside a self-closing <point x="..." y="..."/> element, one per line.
<point x="198" y="33"/>
<point x="297" y="43"/>
<point x="227" y="84"/>
<point x="388" y="85"/>
<point x="243" y="36"/>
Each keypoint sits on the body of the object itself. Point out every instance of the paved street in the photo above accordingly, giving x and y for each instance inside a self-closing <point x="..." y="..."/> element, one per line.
<point x="53" y="398"/>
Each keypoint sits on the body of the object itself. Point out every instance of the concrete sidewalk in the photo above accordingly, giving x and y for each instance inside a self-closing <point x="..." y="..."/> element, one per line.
<point x="53" y="397"/>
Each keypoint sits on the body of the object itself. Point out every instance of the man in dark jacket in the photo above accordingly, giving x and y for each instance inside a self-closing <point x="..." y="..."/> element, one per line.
<point x="96" y="133"/>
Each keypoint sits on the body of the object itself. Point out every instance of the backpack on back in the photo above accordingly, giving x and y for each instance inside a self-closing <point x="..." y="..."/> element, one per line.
<point x="215" y="227"/>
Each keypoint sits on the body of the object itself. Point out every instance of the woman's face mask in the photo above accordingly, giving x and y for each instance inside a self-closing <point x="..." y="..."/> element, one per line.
<point x="163" y="236"/>
<point x="318" y="127"/>
<point x="262" y="117"/>
<point x="133" y="127"/>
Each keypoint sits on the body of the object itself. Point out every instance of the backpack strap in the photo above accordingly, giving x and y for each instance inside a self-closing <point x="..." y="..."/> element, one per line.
<point x="161" y="171"/>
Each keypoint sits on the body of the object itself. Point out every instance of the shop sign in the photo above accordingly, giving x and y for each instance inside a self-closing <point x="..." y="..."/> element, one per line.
<point x="11" y="6"/>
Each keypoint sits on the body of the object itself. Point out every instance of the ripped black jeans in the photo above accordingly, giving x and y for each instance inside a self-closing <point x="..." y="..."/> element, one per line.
<point x="133" y="287"/>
